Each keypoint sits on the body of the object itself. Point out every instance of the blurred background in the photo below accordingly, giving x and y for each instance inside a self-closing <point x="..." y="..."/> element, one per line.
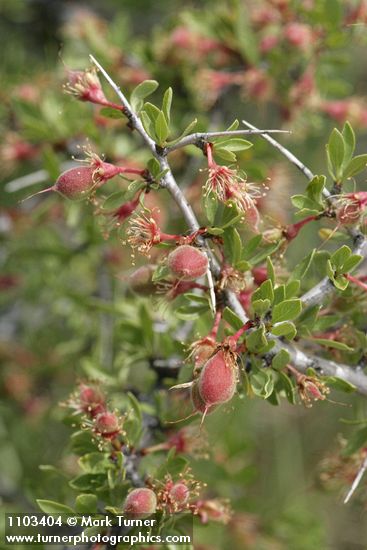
<point x="66" y="310"/>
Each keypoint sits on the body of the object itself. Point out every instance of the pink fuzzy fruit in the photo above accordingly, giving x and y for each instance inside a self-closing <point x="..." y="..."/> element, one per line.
<point x="92" y="400"/>
<point x="179" y="494"/>
<point x="75" y="183"/>
<point x="140" y="503"/>
<point x="187" y="263"/>
<point x="107" y="425"/>
<point x="218" y="380"/>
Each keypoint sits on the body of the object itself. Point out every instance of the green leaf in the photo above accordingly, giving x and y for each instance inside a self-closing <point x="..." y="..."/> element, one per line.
<point x="86" y="504"/>
<point x="260" y="307"/>
<point x="265" y="252"/>
<point x="230" y="215"/>
<point x="232" y="245"/>
<point x="256" y="340"/>
<point x="142" y="90"/>
<point x="309" y="315"/>
<point x="340" y="257"/>
<point x="81" y="442"/>
<point x="301" y="269"/>
<point x="287" y="386"/>
<point x="351" y="263"/>
<point x="152" y="111"/>
<point x="339" y="384"/>
<point x="235" y="124"/>
<point x="335" y="153"/>
<point x="191" y="312"/>
<point x="262" y="383"/>
<point x="265" y="291"/>
<point x="355" y="166"/>
<point x="285" y="328"/>
<point x="292" y="289"/>
<point x="280" y="360"/>
<point x="349" y="142"/>
<point x="340" y="282"/>
<point x="191" y="297"/>
<point x="110" y="112"/>
<point x="232" y="319"/>
<point x="330" y="271"/>
<point x="95" y="463"/>
<point x="279" y="294"/>
<point x="161" y="128"/>
<point x="315" y="189"/>
<point x="210" y="206"/>
<point x="232" y="144"/>
<point x="88" y="482"/>
<point x="287" y="310"/>
<point x="245" y="37"/>
<point x="135" y="405"/>
<point x="133" y="188"/>
<point x="186" y="131"/>
<point x="148" y="124"/>
<point x="224" y="154"/>
<point x="167" y="103"/>
<point x="331" y="344"/>
<point x="161" y="272"/>
<point x="270" y="270"/>
<point x="51" y="507"/>
<point x="154" y="167"/>
<point x="215" y="230"/>
<point x="114" y="201"/>
<point x="133" y="423"/>
<point x="251" y="246"/>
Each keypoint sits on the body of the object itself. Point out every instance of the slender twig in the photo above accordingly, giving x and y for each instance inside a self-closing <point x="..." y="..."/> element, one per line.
<point x="286" y="153"/>
<point x="298" y="358"/>
<point x="356" y="481"/>
<point x="199" y="137"/>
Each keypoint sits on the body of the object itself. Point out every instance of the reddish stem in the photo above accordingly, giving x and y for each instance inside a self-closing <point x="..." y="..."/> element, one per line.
<point x="292" y="230"/>
<point x="209" y="154"/>
<point x="295" y="372"/>
<point x="201" y="287"/>
<point x="213" y="333"/>
<point x="112" y="105"/>
<point x="239" y="333"/>
<point x="356" y="281"/>
<point x="169" y="237"/>
<point x="123" y="170"/>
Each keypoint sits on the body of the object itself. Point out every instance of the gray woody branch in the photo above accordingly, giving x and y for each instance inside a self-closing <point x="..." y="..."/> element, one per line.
<point x="199" y="137"/>
<point x="300" y="360"/>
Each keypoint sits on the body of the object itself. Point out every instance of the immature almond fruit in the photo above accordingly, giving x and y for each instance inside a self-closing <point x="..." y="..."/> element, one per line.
<point x="141" y="280"/>
<point x="140" y="503"/>
<point x="107" y="425"/>
<point x="179" y="494"/>
<point x="92" y="400"/>
<point x="217" y="380"/>
<point x="74" y="184"/>
<point x="187" y="263"/>
<point x="196" y="399"/>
